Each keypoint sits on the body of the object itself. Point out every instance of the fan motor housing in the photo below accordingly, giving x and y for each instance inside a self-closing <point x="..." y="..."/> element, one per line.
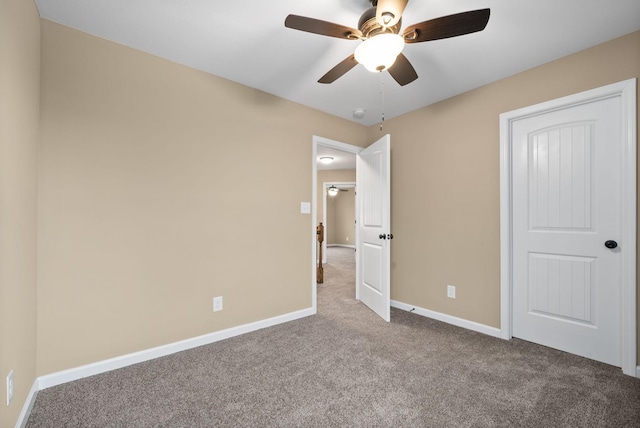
<point x="369" y="26"/>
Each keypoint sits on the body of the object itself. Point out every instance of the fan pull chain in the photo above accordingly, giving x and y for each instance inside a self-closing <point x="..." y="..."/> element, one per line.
<point x="381" y="100"/>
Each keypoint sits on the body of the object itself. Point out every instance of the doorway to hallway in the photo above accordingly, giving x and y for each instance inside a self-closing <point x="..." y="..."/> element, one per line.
<point x="372" y="233"/>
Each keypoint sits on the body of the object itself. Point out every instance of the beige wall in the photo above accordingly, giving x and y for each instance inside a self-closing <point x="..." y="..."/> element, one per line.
<point x="445" y="180"/>
<point x="134" y="188"/>
<point x="160" y="188"/>
<point x="342" y="224"/>
<point x="19" y="134"/>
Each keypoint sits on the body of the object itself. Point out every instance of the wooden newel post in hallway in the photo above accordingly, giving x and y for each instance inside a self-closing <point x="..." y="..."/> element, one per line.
<point x="320" y="270"/>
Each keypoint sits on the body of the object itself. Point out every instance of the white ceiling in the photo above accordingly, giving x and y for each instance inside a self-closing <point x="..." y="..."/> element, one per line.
<point x="246" y="42"/>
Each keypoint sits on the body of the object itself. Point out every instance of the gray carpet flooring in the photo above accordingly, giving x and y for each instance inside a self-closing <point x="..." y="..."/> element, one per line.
<point x="345" y="367"/>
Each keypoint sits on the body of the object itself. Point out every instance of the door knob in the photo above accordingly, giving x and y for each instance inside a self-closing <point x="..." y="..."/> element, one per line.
<point x="390" y="236"/>
<point x="611" y="244"/>
<point x="382" y="236"/>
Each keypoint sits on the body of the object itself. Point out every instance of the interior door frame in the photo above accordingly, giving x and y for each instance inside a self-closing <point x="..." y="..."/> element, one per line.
<point x="327" y="226"/>
<point x="626" y="90"/>
<point x="315" y="142"/>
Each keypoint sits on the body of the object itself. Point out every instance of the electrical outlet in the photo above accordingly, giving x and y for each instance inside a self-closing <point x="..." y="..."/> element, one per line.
<point x="9" y="387"/>
<point x="217" y="304"/>
<point x="451" y="291"/>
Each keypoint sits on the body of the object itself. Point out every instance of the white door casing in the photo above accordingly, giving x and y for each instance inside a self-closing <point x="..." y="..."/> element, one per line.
<point x="315" y="142"/>
<point x="325" y="198"/>
<point x="567" y="186"/>
<point x="374" y="223"/>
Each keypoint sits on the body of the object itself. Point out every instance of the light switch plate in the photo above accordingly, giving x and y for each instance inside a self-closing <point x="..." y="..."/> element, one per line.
<point x="305" y="207"/>
<point x="217" y="304"/>
<point x="451" y="291"/>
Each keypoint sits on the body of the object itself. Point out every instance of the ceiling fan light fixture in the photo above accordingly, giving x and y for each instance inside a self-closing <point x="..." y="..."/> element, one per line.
<point x="379" y="52"/>
<point x="333" y="190"/>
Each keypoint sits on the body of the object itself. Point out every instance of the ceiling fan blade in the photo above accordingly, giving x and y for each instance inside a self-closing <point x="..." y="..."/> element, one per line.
<point x="447" y="26"/>
<point x="316" y="26"/>
<point x="389" y="12"/>
<point x="339" y="70"/>
<point x="402" y="71"/>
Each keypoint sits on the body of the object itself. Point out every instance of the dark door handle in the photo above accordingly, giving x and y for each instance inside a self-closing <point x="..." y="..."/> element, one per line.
<point x="390" y="236"/>
<point x="611" y="244"/>
<point x="382" y="236"/>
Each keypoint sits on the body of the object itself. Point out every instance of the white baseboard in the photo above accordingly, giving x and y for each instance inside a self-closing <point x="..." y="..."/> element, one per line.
<point x="64" y="376"/>
<point x="470" y="325"/>
<point x="342" y="245"/>
<point x="28" y="405"/>
<point x="76" y="373"/>
<point x="449" y="319"/>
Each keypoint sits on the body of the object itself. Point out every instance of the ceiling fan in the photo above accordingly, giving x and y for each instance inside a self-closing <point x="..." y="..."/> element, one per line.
<point x="333" y="190"/>
<point x="379" y="30"/>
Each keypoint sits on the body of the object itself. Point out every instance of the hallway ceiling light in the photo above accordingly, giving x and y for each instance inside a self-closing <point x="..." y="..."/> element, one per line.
<point x="333" y="190"/>
<point x="326" y="160"/>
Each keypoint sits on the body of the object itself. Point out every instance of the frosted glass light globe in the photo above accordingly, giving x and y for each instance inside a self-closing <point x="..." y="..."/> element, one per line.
<point x="379" y="52"/>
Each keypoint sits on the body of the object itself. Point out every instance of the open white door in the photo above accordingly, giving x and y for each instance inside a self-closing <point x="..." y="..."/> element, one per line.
<point x="374" y="224"/>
